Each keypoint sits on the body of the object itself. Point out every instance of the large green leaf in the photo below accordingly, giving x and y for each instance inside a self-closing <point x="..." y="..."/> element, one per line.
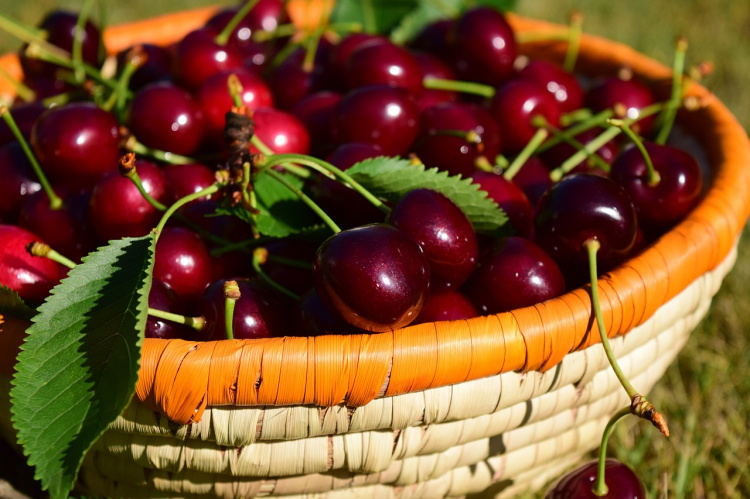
<point x="376" y="16"/>
<point x="12" y="304"/>
<point x="79" y="364"/>
<point x="391" y="178"/>
<point x="282" y="213"/>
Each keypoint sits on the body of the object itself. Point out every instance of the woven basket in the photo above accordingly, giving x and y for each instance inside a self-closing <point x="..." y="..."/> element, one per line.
<point x="494" y="404"/>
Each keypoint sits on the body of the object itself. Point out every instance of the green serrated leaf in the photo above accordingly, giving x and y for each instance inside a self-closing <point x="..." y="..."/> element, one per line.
<point x="426" y="12"/>
<point x="391" y="178"/>
<point x="12" y="304"/>
<point x="376" y="16"/>
<point x="282" y="213"/>
<point x="79" y="364"/>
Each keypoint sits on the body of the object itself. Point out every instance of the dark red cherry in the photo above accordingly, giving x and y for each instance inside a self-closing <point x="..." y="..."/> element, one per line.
<point x="630" y="95"/>
<point x="315" y="318"/>
<point x="31" y="277"/>
<point x="183" y="180"/>
<point x="60" y="30"/>
<point x="215" y="101"/>
<point x="157" y="65"/>
<point x="183" y="262"/>
<point x="454" y="136"/>
<point x="377" y="62"/>
<point x="342" y="52"/>
<point x="622" y="482"/>
<point x="514" y="273"/>
<point x="533" y="179"/>
<point x="580" y="207"/>
<point x="434" y="37"/>
<point x="510" y="198"/>
<point x="77" y="143"/>
<point x="18" y="180"/>
<point x="25" y="115"/>
<point x="162" y="297"/>
<point x="381" y="115"/>
<point x="448" y="305"/>
<point x="117" y="209"/>
<point x="197" y="57"/>
<point x="661" y="205"/>
<point x="291" y="81"/>
<point x="444" y="233"/>
<point x="514" y="107"/>
<point x="166" y="117"/>
<point x="316" y="112"/>
<point x="431" y="66"/>
<point x="375" y="277"/>
<point x="67" y="229"/>
<point x="257" y="314"/>
<point x="563" y="86"/>
<point x="281" y="131"/>
<point x="483" y="47"/>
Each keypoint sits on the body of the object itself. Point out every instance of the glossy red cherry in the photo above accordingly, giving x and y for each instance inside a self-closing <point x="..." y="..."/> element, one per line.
<point x="162" y="297"/>
<point x="281" y="131"/>
<point x="663" y="204"/>
<point x="510" y="198"/>
<point x="454" y="136"/>
<point x="257" y="314"/>
<point x="630" y="95"/>
<point x="580" y="207"/>
<point x="316" y="112"/>
<point x="197" y="57"/>
<point x="375" y="277"/>
<point x="117" y="209"/>
<point x="77" y="143"/>
<point x="183" y="180"/>
<point x="382" y="62"/>
<point x="444" y="233"/>
<point x="18" y="180"/>
<point x="31" y="277"/>
<point x="563" y="86"/>
<point x="183" y="262"/>
<point x="514" y="273"/>
<point x="166" y="117"/>
<point x="434" y="37"/>
<point x="342" y="52"/>
<point x="622" y="482"/>
<point x="483" y="47"/>
<point x="291" y="81"/>
<point x="533" y="179"/>
<point x="515" y="106"/>
<point x="448" y="305"/>
<point x="215" y="101"/>
<point x="381" y="115"/>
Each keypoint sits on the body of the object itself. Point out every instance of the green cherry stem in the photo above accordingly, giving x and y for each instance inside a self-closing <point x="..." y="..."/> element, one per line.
<point x="223" y="37"/>
<point x="36" y="248"/>
<point x="260" y="257"/>
<point x="576" y="116"/>
<point x="31" y="36"/>
<point x="670" y="113"/>
<point x="600" y="488"/>
<point x="598" y="119"/>
<point x="574" y="41"/>
<point x="523" y="156"/>
<point x="208" y="191"/>
<point x="165" y="156"/>
<point x="592" y="156"/>
<point x="311" y="49"/>
<point x="231" y="295"/>
<point x="197" y="323"/>
<point x="653" y="175"/>
<point x="304" y="198"/>
<point x="639" y="406"/>
<point x="128" y="170"/>
<point x="79" y="74"/>
<point x="467" y="87"/>
<point x="55" y="201"/>
<point x="281" y="31"/>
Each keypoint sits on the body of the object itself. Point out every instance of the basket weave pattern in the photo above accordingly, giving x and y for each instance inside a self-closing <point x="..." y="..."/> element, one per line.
<point x="503" y="402"/>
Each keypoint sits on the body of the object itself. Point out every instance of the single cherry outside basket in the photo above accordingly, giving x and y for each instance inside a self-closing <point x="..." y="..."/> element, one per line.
<point x="501" y="403"/>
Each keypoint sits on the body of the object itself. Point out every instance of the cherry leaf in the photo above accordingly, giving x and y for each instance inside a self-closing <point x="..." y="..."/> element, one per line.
<point x="13" y="305"/>
<point x="391" y="178"/>
<point x="79" y="364"/>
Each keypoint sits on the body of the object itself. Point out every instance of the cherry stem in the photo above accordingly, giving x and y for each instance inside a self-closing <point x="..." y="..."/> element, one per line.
<point x="368" y="17"/>
<point x="136" y="57"/>
<point x="223" y="37"/>
<point x="598" y="119"/>
<point x="304" y="198"/>
<point x="326" y="169"/>
<point x="467" y="87"/>
<point x="600" y="488"/>
<point x="55" y="201"/>
<point x="670" y="113"/>
<point x="310" y="50"/>
<point x="260" y="257"/>
<point x="291" y="262"/>
<point x="43" y="250"/>
<point x="523" y="156"/>
<point x="574" y="41"/>
<point x="165" y="156"/>
<point x="127" y="169"/>
<point x="79" y="74"/>
<point x="197" y="323"/>
<point x="207" y="191"/>
<point x="591" y="155"/>
<point x="639" y="406"/>
<point x="542" y="36"/>
<point x="576" y="116"/>
<point x="231" y="295"/>
<point x="653" y="175"/>
<point x="31" y="36"/>
<point x="482" y="163"/>
<point x="281" y="31"/>
<point x="21" y="90"/>
<point x="38" y="51"/>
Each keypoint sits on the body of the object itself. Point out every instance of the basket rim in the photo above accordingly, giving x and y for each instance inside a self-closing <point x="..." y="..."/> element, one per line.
<point x="354" y="369"/>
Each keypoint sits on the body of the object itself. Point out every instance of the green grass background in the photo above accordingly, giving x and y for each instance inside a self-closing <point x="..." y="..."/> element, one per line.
<point x="706" y="393"/>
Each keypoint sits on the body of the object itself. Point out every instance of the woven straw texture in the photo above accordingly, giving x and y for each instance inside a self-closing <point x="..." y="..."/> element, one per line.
<point x="498" y="403"/>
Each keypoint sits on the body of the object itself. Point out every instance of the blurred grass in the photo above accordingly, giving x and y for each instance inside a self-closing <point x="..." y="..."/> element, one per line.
<point x="706" y="393"/>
